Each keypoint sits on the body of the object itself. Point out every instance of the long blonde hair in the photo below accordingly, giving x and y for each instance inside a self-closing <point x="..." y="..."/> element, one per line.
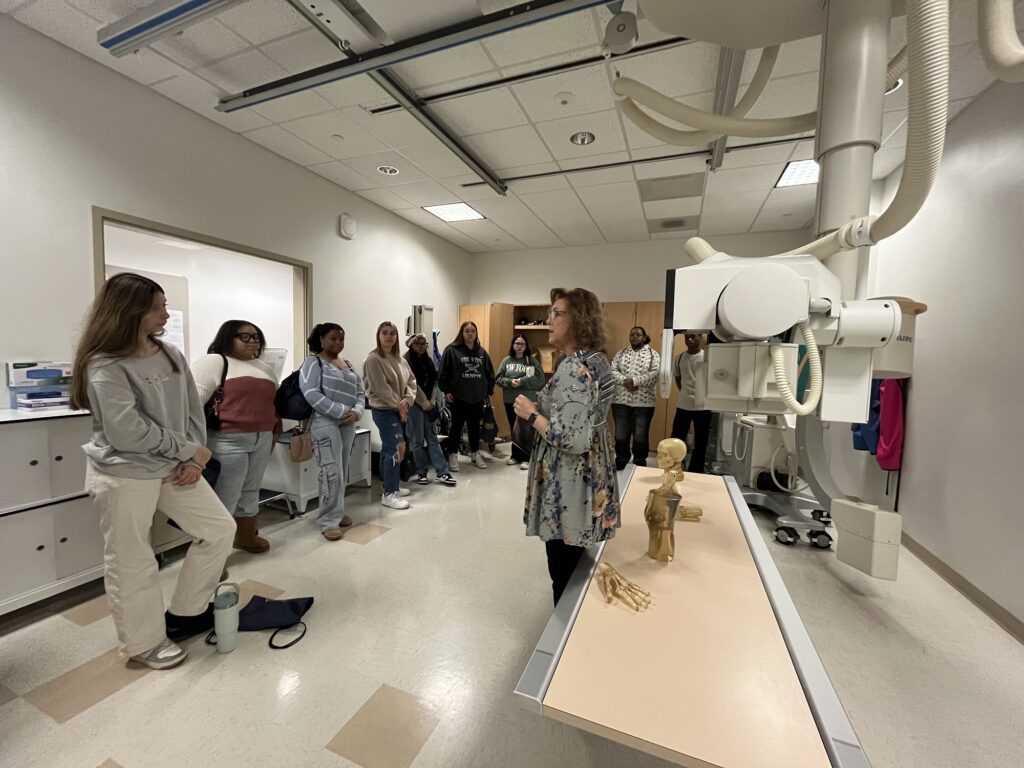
<point x="113" y="327"/>
<point x="394" y="349"/>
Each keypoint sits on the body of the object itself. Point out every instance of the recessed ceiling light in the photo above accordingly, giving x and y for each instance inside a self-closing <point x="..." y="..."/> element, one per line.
<point x="582" y="138"/>
<point x="453" y="212"/>
<point x="183" y="244"/>
<point x="895" y="86"/>
<point x="799" y="172"/>
<point x="387" y="170"/>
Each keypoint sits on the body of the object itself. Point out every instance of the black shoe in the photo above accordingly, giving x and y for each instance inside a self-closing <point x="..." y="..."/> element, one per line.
<point x="423" y="480"/>
<point x="446" y="479"/>
<point x="183" y="627"/>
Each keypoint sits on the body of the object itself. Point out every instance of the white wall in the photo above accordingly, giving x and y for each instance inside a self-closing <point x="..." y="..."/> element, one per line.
<point x="617" y="272"/>
<point x="963" y="256"/>
<point x="74" y="134"/>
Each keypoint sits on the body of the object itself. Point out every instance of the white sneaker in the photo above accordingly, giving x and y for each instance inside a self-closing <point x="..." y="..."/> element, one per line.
<point x="510" y="461"/>
<point x="525" y="465"/>
<point x="478" y="461"/>
<point x="164" y="656"/>
<point x="392" y="500"/>
<point x="453" y="462"/>
<point x="403" y="491"/>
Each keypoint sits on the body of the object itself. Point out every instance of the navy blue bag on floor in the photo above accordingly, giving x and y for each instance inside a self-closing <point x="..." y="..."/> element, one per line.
<point x="261" y="613"/>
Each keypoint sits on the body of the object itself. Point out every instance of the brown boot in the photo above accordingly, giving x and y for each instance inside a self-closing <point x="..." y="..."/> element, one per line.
<point x="246" y="538"/>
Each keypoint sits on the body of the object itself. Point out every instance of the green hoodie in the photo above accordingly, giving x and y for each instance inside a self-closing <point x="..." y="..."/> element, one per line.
<point x="520" y="368"/>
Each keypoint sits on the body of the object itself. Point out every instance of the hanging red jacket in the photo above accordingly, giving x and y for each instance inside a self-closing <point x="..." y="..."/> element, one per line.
<point x="890" y="424"/>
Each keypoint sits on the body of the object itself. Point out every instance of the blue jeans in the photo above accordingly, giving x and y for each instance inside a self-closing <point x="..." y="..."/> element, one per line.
<point x="243" y="458"/>
<point x="332" y="445"/>
<point x="392" y="434"/>
<point x="421" y="430"/>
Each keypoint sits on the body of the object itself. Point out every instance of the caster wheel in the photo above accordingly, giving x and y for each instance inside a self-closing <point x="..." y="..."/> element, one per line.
<point x="821" y="516"/>
<point x="820" y="539"/>
<point x="786" y="535"/>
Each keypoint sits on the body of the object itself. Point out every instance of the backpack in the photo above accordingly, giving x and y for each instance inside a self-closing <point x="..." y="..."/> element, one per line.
<point x="289" y="402"/>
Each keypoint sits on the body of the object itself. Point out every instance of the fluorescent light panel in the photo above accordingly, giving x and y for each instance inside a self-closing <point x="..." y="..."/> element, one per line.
<point x="453" y="212"/>
<point x="799" y="172"/>
<point x="183" y="244"/>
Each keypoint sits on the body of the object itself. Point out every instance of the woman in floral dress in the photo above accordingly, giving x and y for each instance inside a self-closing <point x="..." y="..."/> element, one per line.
<point x="572" y="500"/>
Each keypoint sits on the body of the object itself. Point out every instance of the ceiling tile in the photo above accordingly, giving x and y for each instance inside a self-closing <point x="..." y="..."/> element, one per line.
<point x="446" y="66"/>
<point x="792" y="198"/>
<point x="610" y="195"/>
<point x="625" y="230"/>
<point x="537" y="41"/>
<point x="278" y="140"/>
<point x="761" y="177"/>
<point x="745" y="158"/>
<point x="431" y="223"/>
<point x="320" y="131"/>
<point x="968" y="73"/>
<point x="353" y="91"/>
<point x="956" y="107"/>
<point x="604" y="125"/>
<point x="512" y="215"/>
<point x="787" y="96"/>
<point x="470" y="194"/>
<point x="344" y="176"/>
<point x="436" y="160"/>
<point x="201" y="97"/>
<point x="260" y="21"/>
<point x="680" y="71"/>
<point x="734" y="222"/>
<point x="367" y="166"/>
<point x="397" y="129"/>
<point x="488" y="233"/>
<point x="804" y="151"/>
<point x="509" y="147"/>
<point x="243" y="71"/>
<point x="106" y="11"/>
<point x="565" y="215"/>
<point x="77" y="31"/>
<point x="795" y="58"/>
<point x="302" y="51"/>
<point x="778" y="220"/>
<point x="720" y="205"/>
<point x="200" y="44"/>
<point x="529" y="186"/>
<point x="585" y="90"/>
<point x="666" y="209"/>
<point x="481" y="112"/>
<point x="646" y="32"/>
<point x="674" y="234"/>
<point x="293" y="106"/>
<point x="384" y="198"/>
<point x="678" y="167"/>
<point x="422" y="193"/>
<point x="603" y="176"/>
<point x="886" y="161"/>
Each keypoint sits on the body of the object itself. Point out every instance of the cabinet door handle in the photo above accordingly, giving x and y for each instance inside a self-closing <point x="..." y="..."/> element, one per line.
<point x="58" y="458"/>
<point x="33" y="463"/>
<point x="40" y="548"/>
<point x="63" y="539"/>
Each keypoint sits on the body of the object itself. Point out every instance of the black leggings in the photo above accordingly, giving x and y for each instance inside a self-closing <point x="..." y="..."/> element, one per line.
<point x="469" y="415"/>
<point x="562" y="561"/>
<point x="701" y="421"/>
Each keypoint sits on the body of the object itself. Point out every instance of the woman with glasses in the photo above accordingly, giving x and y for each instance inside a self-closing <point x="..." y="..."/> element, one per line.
<point x="246" y="424"/>
<point x="635" y="369"/>
<point x="519" y="374"/>
<point x="572" y="495"/>
<point x="334" y="390"/>
<point x="467" y="380"/>
<point x="426" y="449"/>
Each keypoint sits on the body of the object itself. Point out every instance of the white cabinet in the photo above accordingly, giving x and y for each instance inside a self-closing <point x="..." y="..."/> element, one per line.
<point x="65" y="438"/>
<point x="77" y="539"/>
<point x="299" y="480"/>
<point x="28" y="553"/>
<point x="24" y="464"/>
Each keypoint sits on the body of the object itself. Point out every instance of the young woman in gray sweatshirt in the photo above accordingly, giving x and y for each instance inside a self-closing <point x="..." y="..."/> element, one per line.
<point x="147" y="452"/>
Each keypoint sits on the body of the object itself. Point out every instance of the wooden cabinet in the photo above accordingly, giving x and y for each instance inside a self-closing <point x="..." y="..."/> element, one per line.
<point x="494" y="323"/>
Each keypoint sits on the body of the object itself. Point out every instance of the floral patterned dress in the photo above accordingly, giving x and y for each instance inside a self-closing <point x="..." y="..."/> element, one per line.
<point x="573" y="493"/>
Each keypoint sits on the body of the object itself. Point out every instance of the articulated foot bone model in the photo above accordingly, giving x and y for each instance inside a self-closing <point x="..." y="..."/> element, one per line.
<point x="615" y="585"/>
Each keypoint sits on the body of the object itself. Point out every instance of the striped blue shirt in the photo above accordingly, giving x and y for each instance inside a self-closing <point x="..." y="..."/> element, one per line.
<point x="330" y="391"/>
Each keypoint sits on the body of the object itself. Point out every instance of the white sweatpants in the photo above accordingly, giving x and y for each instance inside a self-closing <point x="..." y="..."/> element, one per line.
<point x="126" y="508"/>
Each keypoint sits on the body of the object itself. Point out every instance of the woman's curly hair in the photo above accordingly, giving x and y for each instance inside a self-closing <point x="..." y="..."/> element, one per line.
<point x="586" y="320"/>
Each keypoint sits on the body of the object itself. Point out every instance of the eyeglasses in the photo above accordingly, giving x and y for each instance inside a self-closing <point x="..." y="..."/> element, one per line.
<point x="245" y="338"/>
<point x="419" y="342"/>
<point x="553" y="312"/>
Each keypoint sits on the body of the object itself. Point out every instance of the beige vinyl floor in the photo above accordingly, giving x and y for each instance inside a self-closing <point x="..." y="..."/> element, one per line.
<point x="423" y="621"/>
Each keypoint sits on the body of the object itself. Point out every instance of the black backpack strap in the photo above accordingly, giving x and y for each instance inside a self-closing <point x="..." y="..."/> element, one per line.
<point x="292" y="642"/>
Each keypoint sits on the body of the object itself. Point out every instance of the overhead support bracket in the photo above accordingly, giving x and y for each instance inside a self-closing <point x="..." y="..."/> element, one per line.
<point x="730" y="67"/>
<point x="421" y="45"/>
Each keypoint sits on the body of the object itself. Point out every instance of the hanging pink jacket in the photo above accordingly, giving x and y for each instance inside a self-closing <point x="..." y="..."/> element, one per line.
<point x="890" y="425"/>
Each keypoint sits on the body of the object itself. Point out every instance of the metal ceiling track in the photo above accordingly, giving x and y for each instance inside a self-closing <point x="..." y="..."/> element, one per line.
<point x="421" y="45"/>
<point x="730" y="67"/>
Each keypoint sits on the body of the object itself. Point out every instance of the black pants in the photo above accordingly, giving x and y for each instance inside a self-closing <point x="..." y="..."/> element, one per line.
<point x="632" y="424"/>
<point x="469" y="415"/>
<point x="562" y="561"/>
<point x="701" y="421"/>
<point x="517" y="453"/>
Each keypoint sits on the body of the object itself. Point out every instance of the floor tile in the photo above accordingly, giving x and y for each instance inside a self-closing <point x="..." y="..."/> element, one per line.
<point x="250" y="587"/>
<point x="388" y="731"/>
<point x="89" y="611"/>
<point x="108" y="763"/>
<point x="74" y="692"/>
<point x="363" y="533"/>
<point x="6" y="695"/>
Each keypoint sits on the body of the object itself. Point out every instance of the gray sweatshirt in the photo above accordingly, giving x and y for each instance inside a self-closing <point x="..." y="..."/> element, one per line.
<point x="146" y="419"/>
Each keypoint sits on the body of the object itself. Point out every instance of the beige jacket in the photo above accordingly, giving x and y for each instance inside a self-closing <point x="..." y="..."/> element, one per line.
<point x="388" y="381"/>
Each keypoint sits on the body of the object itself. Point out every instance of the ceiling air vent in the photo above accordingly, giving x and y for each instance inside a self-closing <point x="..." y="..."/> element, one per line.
<point x="675" y="224"/>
